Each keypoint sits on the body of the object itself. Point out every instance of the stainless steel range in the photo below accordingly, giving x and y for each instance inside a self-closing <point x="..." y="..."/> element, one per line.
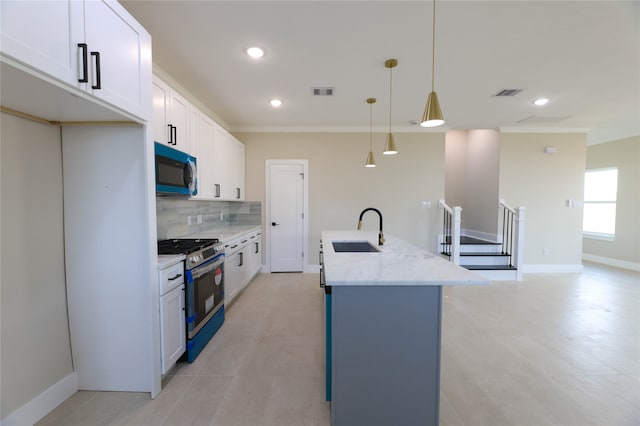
<point x="204" y="271"/>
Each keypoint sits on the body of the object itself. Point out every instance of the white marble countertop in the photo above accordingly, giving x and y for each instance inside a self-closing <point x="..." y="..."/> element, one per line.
<point x="397" y="263"/>
<point x="166" y="260"/>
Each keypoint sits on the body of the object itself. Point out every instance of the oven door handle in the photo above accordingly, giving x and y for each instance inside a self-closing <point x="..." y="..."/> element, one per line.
<point x="205" y="268"/>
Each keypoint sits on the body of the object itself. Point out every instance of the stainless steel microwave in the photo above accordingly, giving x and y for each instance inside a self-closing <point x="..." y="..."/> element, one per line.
<point x="176" y="171"/>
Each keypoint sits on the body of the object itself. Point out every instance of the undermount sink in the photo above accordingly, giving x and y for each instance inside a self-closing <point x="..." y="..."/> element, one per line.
<point x="353" y="247"/>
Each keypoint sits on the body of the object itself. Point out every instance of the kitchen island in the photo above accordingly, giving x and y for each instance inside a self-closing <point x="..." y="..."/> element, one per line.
<point x="383" y="328"/>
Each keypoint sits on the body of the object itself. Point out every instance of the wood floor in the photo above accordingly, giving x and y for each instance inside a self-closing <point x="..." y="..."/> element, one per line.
<point x="561" y="349"/>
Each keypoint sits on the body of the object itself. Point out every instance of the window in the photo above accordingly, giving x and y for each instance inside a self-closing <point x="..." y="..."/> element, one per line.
<point x="600" y="193"/>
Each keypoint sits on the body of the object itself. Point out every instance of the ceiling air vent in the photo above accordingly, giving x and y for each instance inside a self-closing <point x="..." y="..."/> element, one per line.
<point x="507" y="92"/>
<point x="322" y="91"/>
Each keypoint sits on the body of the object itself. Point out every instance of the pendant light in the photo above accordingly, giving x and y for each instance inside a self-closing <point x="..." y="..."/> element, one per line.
<point x="432" y="114"/>
<point x="390" y="146"/>
<point x="371" y="162"/>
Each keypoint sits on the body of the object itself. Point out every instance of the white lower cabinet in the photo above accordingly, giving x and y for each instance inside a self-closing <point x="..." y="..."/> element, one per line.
<point x="242" y="263"/>
<point x="255" y="253"/>
<point x="173" y="339"/>
<point x="236" y="272"/>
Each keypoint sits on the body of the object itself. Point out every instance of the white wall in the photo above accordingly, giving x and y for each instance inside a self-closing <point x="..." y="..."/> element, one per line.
<point x="543" y="183"/>
<point x="341" y="187"/>
<point x="625" y="155"/>
<point x="35" y="348"/>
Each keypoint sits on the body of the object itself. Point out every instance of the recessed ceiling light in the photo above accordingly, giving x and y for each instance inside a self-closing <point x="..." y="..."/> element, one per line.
<point x="275" y="102"/>
<point x="255" y="52"/>
<point x="541" y="101"/>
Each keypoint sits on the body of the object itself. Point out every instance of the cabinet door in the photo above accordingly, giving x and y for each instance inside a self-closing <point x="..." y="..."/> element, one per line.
<point x="235" y="171"/>
<point x="123" y="47"/>
<point x="239" y="169"/>
<point x="204" y="158"/>
<point x="44" y="35"/>
<point x="219" y="164"/>
<point x="235" y="274"/>
<point x="172" y="327"/>
<point x="161" y="99"/>
<point x="179" y="118"/>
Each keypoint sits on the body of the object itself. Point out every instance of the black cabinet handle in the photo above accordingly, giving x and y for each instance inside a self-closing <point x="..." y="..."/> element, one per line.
<point x="170" y="141"/>
<point x="175" y="135"/>
<point x="98" y="84"/>
<point x="238" y="193"/>
<point x="216" y="188"/>
<point x="241" y="259"/>
<point x="85" y="64"/>
<point x="175" y="278"/>
<point x="274" y="224"/>
<point x="257" y="248"/>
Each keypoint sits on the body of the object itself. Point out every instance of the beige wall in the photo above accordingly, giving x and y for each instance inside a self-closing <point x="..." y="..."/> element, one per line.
<point x="625" y="155"/>
<point x="35" y="348"/>
<point x="340" y="187"/>
<point x="543" y="183"/>
<point x="472" y="168"/>
<point x="480" y="208"/>
<point x="456" y="167"/>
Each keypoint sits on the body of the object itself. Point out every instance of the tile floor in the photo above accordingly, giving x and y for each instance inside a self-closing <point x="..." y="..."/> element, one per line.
<point x="551" y="350"/>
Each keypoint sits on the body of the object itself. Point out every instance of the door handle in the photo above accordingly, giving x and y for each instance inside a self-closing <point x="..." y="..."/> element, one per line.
<point x="274" y="224"/>
<point x="85" y="65"/>
<point x="98" y="84"/>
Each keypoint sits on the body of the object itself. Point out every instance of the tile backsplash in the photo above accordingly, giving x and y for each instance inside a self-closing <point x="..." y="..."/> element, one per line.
<point x="178" y="217"/>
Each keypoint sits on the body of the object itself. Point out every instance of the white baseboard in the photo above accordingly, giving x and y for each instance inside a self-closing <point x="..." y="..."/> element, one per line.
<point x="552" y="268"/>
<point x="633" y="266"/>
<point x="43" y="404"/>
<point x="480" y="235"/>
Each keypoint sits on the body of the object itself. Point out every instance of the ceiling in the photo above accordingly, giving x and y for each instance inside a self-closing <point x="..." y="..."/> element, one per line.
<point x="583" y="55"/>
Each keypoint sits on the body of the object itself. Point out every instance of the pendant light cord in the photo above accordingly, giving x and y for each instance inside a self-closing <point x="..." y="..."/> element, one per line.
<point x="433" y="48"/>
<point x="370" y="126"/>
<point x="390" y="97"/>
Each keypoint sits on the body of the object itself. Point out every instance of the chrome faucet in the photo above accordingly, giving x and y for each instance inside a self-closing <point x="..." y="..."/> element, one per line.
<point x="380" y="235"/>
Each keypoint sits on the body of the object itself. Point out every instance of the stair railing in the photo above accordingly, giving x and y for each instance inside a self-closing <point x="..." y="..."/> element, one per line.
<point x="513" y="236"/>
<point x="452" y="218"/>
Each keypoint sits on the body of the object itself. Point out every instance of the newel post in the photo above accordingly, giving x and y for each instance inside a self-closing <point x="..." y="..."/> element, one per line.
<point x="455" y="237"/>
<point x="519" y="238"/>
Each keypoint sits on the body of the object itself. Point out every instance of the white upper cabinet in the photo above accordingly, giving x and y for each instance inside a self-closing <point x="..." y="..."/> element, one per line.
<point x="228" y="166"/>
<point x="222" y="187"/>
<point x="204" y="155"/>
<point x="161" y="110"/>
<point x="95" y="46"/>
<point x="44" y="37"/>
<point x="172" y="121"/>
<point x="236" y="162"/>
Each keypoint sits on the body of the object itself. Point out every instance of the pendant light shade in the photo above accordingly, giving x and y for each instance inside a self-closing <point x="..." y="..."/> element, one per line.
<point x="390" y="146"/>
<point x="371" y="162"/>
<point x="432" y="113"/>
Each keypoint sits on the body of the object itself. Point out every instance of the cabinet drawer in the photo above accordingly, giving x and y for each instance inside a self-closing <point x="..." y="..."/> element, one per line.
<point x="171" y="277"/>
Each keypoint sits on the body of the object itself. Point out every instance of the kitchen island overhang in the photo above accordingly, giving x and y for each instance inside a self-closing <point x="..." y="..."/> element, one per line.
<point x="385" y="329"/>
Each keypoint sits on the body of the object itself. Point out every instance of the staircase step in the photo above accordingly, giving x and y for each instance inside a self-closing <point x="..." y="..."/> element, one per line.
<point x="489" y="267"/>
<point x="472" y="241"/>
<point x="483" y="253"/>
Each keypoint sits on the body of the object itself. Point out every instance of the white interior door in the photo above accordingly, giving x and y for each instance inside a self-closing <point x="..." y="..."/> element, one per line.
<point x="286" y="216"/>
